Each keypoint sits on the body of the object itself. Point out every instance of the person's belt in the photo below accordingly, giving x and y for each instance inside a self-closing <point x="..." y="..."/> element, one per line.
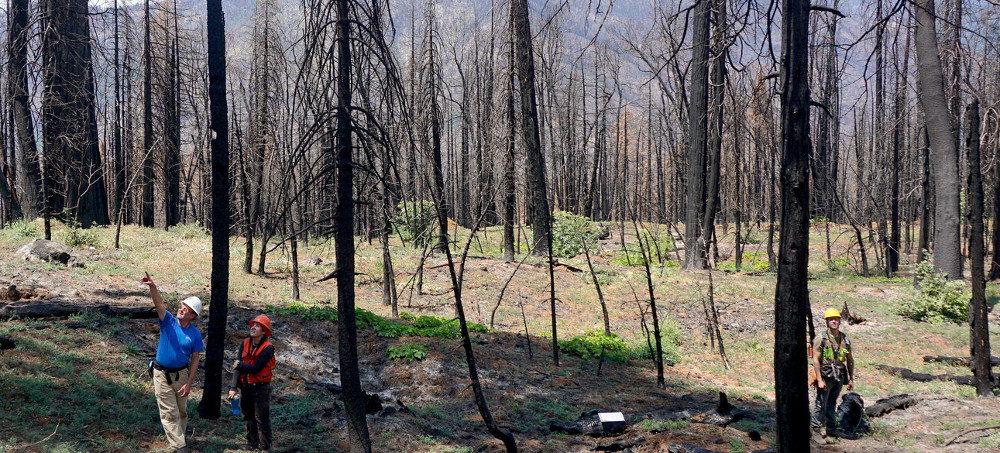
<point x="167" y="371"/>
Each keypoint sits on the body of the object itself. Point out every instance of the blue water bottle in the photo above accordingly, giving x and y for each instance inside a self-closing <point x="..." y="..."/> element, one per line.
<point x="235" y="404"/>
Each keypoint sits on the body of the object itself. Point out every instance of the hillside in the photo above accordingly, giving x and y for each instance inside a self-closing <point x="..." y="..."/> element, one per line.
<point x="74" y="384"/>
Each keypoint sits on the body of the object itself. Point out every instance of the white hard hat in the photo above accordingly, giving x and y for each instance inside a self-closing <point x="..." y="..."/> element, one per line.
<point x="194" y="303"/>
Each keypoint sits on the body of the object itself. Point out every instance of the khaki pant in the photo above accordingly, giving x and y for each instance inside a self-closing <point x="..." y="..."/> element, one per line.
<point x="173" y="408"/>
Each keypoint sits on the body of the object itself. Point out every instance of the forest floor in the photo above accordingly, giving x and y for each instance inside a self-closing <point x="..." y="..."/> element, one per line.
<point x="78" y="383"/>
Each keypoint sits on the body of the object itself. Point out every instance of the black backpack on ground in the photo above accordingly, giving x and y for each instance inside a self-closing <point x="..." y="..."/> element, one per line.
<point x="851" y="415"/>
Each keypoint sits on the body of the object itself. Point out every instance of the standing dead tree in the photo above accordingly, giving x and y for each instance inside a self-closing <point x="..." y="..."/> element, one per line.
<point x="74" y="175"/>
<point x="791" y="300"/>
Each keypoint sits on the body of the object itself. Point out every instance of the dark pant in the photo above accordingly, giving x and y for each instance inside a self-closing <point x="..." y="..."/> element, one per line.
<point x="255" y="403"/>
<point x="825" y="408"/>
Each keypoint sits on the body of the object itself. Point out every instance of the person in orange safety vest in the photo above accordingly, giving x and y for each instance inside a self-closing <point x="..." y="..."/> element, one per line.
<point x="252" y="378"/>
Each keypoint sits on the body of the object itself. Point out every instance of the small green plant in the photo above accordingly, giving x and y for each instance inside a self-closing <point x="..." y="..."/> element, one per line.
<point x="752" y="262"/>
<point x="23" y="229"/>
<point x="570" y="232"/>
<point x="937" y="299"/>
<point x="77" y="236"/>
<point x="415" y="221"/>
<point x="409" y="352"/>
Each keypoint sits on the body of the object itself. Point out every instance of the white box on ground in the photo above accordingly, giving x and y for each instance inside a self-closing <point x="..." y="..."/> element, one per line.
<point x="612" y="421"/>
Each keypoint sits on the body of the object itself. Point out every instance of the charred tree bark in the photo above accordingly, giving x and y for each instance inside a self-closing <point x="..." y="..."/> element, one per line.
<point x="540" y="218"/>
<point x="792" y="293"/>
<point x="347" y="332"/>
<point x="694" y="253"/>
<point x="146" y="216"/>
<point x="944" y="153"/>
<point x="219" y="111"/>
<point x="718" y="92"/>
<point x="979" y="335"/>
<point x="29" y="175"/>
<point x="75" y="177"/>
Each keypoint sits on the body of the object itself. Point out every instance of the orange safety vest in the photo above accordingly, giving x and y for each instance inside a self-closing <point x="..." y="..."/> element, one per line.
<point x="250" y="357"/>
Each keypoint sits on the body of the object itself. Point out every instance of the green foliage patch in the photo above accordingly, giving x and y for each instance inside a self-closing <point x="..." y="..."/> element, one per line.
<point x="590" y="345"/>
<point x="77" y="236"/>
<point x="752" y="262"/>
<point x="408" y="352"/>
<point x="423" y="326"/>
<point x="415" y="221"/>
<point x="570" y="232"/>
<point x="22" y="229"/>
<point x="936" y="300"/>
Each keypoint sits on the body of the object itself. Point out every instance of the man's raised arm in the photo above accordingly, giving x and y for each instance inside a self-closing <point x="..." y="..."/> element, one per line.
<point x="154" y="292"/>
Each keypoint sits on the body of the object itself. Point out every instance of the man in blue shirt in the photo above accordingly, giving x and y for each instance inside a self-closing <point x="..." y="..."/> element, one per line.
<point x="176" y="363"/>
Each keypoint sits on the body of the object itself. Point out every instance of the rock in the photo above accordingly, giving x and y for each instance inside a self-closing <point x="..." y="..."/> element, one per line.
<point x="49" y="251"/>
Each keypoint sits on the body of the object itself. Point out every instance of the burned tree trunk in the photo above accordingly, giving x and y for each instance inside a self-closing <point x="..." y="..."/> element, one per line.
<point x="539" y="214"/>
<point x="979" y="335"/>
<point x="694" y="253"/>
<point x="29" y="175"/>
<point x="347" y="332"/>
<point x="219" y="117"/>
<point x="75" y="177"/>
<point x="792" y="293"/>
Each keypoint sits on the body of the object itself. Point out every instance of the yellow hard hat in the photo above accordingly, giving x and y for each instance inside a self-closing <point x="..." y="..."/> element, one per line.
<point x="831" y="313"/>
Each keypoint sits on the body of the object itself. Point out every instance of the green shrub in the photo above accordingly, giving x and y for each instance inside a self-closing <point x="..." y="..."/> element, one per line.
<point x="23" y="229"/>
<point x="570" y="232"/>
<point x="937" y="299"/>
<point x="76" y="236"/>
<point x="408" y="352"/>
<point x="591" y="343"/>
<point x="416" y="220"/>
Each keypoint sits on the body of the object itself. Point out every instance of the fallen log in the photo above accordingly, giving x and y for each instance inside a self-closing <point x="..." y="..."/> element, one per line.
<point x="886" y="405"/>
<point x="924" y="377"/>
<point x="957" y="361"/>
<point x="57" y="309"/>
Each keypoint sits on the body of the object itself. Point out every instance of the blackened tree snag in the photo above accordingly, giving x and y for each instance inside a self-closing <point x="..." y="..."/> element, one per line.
<point x="347" y="333"/>
<point x="29" y="176"/>
<point x="792" y="294"/>
<point x="941" y="137"/>
<point x="694" y="253"/>
<point x="541" y="221"/>
<point x="219" y="111"/>
<point x="979" y="335"/>
<point x="73" y="172"/>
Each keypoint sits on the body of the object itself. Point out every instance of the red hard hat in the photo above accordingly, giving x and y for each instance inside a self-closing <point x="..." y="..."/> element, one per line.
<point x="264" y="322"/>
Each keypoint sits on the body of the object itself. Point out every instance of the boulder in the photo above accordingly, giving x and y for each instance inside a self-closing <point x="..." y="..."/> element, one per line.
<point x="49" y="251"/>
